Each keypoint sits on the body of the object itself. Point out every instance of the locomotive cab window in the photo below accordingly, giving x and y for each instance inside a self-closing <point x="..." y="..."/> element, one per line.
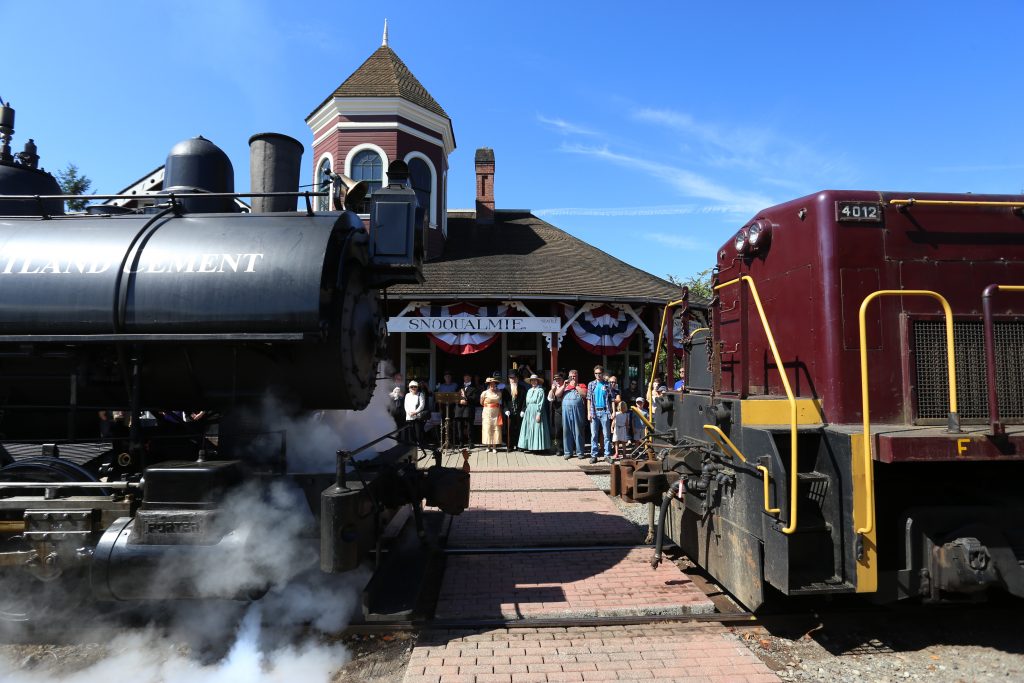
<point x="323" y="179"/>
<point x="368" y="167"/>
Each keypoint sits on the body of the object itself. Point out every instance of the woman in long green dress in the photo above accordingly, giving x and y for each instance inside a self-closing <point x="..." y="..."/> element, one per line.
<point x="535" y="435"/>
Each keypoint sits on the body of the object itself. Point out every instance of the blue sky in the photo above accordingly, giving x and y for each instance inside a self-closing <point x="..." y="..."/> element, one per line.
<point x="651" y="130"/>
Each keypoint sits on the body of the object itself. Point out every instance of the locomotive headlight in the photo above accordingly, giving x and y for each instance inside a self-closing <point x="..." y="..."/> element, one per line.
<point x="758" y="235"/>
<point x="740" y="241"/>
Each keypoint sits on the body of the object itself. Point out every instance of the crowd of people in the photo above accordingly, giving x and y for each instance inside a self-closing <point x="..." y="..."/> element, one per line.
<point x="521" y="413"/>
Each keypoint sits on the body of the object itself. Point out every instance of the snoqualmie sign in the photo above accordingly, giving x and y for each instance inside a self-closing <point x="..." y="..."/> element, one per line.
<point x="473" y="324"/>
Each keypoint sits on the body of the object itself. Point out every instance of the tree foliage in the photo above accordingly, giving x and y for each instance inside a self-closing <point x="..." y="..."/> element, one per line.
<point x="74" y="182"/>
<point x="699" y="283"/>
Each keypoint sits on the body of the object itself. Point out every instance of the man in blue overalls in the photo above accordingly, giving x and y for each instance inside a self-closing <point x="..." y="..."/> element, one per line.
<point x="599" y="403"/>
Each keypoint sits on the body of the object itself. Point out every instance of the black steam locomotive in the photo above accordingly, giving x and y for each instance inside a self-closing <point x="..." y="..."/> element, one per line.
<point x="134" y="341"/>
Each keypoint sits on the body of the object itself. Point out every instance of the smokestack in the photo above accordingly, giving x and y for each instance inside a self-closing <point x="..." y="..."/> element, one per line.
<point x="274" y="163"/>
<point x="485" y="185"/>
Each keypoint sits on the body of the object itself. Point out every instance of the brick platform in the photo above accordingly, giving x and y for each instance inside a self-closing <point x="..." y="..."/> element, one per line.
<point x="557" y="480"/>
<point x="482" y="461"/>
<point x="584" y="583"/>
<point x="541" y="518"/>
<point x="690" y="653"/>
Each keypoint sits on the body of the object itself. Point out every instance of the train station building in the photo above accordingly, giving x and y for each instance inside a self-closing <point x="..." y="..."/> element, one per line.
<point x="503" y="288"/>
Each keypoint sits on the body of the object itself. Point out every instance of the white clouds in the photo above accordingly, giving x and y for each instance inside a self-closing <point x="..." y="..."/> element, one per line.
<point x="686" y="182"/>
<point x="677" y="241"/>
<point x="770" y="156"/>
<point x="564" y="127"/>
<point x="666" y="210"/>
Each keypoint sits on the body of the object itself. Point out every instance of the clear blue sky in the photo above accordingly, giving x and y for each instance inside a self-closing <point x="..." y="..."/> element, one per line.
<point x="651" y="130"/>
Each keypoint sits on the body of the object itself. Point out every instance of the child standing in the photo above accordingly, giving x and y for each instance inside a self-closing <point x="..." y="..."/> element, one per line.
<point x="620" y="427"/>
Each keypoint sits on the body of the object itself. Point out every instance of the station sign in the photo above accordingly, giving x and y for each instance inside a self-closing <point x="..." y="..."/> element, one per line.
<point x="473" y="324"/>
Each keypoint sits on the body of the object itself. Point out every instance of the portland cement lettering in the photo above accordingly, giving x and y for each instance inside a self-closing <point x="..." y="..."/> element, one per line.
<point x="19" y="264"/>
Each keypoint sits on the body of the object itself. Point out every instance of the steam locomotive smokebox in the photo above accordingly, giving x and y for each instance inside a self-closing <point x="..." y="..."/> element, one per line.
<point x="198" y="165"/>
<point x="177" y="484"/>
<point x="274" y="164"/>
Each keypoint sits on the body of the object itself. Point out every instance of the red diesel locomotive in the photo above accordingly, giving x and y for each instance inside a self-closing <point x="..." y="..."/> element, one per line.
<point x="827" y="440"/>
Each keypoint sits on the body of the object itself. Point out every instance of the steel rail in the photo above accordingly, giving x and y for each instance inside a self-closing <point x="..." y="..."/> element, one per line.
<point x="793" y="480"/>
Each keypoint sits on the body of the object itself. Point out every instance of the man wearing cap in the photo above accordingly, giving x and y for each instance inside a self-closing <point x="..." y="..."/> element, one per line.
<point x="574" y="411"/>
<point x="415" y="410"/>
<point x="513" y="404"/>
<point x="599" y="403"/>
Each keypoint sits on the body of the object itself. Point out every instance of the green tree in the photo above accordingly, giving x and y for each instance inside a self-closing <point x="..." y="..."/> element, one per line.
<point x="73" y="182"/>
<point x="699" y="284"/>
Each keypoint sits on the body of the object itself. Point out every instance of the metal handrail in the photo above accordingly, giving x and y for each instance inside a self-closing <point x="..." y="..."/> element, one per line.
<point x="719" y="434"/>
<point x="954" y="417"/>
<point x="791" y="527"/>
<point x="657" y="351"/>
<point x="769" y="510"/>
<point x="951" y="202"/>
<point x="990" y="353"/>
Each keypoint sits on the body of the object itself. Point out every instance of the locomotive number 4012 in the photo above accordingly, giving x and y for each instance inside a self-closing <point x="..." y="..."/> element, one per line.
<point x="859" y="212"/>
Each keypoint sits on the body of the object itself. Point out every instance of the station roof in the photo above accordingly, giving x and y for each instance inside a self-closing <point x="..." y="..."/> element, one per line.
<point x="522" y="256"/>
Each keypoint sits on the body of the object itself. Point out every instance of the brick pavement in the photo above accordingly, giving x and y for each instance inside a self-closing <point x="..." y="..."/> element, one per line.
<point x="583" y="583"/>
<point x="541" y="518"/>
<point x="531" y="481"/>
<point x="690" y="653"/>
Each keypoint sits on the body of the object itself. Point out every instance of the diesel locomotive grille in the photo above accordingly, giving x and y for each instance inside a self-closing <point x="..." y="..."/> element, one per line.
<point x="971" y="382"/>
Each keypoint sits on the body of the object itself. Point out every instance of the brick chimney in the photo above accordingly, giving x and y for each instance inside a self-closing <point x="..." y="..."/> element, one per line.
<point x="485" y="185"/>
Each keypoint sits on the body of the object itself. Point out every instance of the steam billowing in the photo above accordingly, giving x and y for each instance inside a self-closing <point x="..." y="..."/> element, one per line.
<point x="281" y="637"/>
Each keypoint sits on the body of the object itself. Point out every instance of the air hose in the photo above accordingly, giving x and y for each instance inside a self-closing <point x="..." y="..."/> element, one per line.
<point x="674" y="490"/>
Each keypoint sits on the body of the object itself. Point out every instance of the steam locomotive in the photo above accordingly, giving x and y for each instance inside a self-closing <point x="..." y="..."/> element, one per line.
<point x="189" y="306"/>
<point x="853" y="419"/>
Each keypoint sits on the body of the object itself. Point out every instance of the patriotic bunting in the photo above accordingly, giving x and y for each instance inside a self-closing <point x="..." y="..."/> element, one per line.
<point x="603" y="329"/>
<point x="463" y="343"/>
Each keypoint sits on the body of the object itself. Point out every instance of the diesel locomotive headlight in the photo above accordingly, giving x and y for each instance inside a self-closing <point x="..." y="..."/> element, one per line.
<point x="740" y="241"/>
<point x="758" y="235"/>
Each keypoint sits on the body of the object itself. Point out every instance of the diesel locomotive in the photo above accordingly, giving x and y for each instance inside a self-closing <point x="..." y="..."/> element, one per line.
<point x="135" y="344"/>
<point x="853" y="417"/>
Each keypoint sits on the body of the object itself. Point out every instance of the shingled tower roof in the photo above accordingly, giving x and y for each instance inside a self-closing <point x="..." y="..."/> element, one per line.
<point x="384" y="74"/>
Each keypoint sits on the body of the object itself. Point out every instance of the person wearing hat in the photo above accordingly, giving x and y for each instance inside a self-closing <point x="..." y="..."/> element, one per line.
<point x="415" y="410"/>
<point x="639" y="428"/>
<point x="490" y="429"/>
<point x="464" y="410"/>
<point x="555" y="403"/>
<point x="534" y="435"/>
<point x="513" y="403"/>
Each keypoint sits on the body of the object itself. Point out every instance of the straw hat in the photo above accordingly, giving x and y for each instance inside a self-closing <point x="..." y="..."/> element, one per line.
<point x="535" y="377"/>
<point x="489" y="380"/>
<point x="413" y="383"/>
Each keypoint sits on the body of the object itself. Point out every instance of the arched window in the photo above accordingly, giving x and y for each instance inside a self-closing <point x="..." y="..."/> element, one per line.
<point x="419" y="175"/>
<point x="323" y="184"/>
<point x="368" y="167"/>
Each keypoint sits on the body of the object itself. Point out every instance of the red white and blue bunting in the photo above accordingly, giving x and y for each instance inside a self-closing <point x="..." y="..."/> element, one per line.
<point x="602" y="329"/>
<point x="463" y="343"/>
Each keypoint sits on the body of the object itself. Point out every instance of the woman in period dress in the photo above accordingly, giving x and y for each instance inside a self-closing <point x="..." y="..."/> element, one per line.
<point x="490" y="430"/>
<point x="534" y="435"/>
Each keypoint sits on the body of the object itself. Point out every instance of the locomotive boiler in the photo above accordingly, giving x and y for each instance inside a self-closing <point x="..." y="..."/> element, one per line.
<point x="853" y="419"/>
<point x="183" y="316"/>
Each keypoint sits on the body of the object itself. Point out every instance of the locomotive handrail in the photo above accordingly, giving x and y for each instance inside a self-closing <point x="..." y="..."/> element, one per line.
<point x="715" y="432"/>
<point x="657" y="351"/>
<point x="990" y="353"/>
<point x="954" y="417"/>
<point x="951" y="202"/>
<point x="769" y="510"/>
<point x="791" y="527"/>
